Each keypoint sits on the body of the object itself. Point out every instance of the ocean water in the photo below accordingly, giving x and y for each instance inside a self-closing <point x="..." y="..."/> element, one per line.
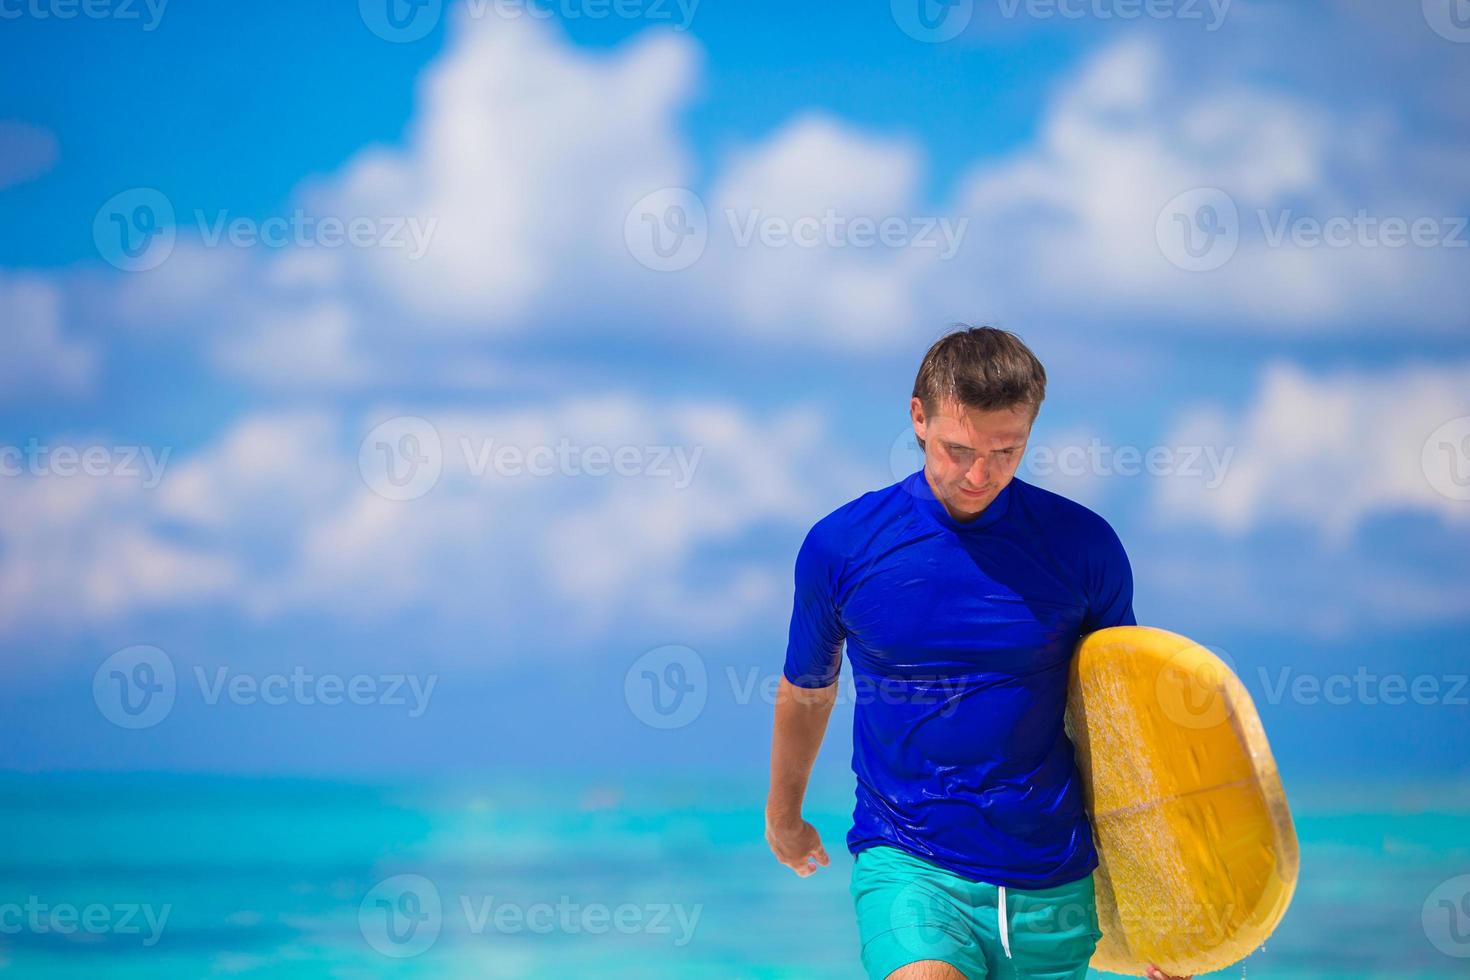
<point x="185" y="876"/>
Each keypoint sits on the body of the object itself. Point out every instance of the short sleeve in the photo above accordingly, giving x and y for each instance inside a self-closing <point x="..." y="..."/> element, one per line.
<point x="1109" y="584"/>
<point x="814" y="647"/>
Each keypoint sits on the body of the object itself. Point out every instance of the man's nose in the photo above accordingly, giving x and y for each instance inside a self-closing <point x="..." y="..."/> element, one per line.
<point x="979" y="474"/>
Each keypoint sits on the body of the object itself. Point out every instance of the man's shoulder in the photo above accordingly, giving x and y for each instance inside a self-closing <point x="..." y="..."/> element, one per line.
<point x="837" y="532"/>
<point x="1063" y="514"/>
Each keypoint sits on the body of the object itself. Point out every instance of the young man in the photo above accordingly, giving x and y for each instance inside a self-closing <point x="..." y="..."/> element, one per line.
<point x="960" y="593"/>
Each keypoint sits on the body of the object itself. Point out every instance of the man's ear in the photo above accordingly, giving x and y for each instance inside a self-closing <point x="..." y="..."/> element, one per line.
<point x="916" y="415"/>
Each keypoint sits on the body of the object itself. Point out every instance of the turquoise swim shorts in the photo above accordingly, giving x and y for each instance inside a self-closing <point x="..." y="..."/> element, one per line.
<point x="909" y="910"/>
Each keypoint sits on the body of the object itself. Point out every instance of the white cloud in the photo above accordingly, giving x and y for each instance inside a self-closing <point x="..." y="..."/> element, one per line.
<point x="1326" y="451"/>
<point x="196" y="287"/>
<point x="531" y="185"/>
<point x="528" y="155"/>
<point x="813" y="182"/>
<point x="493" y="539"/>
<point x="268" y="468"/>
<point x="35" y="355"/>
<point x="75" y="549"/>
<point x="1070" y="222"/>
<point x="277" y="518"/>
<point x="309" y="344"/>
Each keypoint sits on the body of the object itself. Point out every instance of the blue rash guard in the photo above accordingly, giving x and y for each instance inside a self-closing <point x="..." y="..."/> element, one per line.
<point x="960" y="637"/>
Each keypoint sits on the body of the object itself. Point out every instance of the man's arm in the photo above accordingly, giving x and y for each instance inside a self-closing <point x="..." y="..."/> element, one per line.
<point x="801" y="722"/>
<point x="804" y="703"/>
<point x="1109" y="581"/>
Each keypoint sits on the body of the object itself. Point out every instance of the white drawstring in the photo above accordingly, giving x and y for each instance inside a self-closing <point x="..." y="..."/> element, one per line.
<point x="1005" y="937"/>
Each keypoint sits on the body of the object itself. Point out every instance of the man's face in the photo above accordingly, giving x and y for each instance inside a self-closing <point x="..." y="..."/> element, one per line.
<point x="970" y="455"/>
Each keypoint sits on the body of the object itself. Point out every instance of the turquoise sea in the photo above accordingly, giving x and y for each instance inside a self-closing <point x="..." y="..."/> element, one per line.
<point x="190" y="876"/>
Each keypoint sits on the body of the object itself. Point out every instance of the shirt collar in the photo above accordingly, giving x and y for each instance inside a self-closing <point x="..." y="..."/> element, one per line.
<point x="923" y="497"/>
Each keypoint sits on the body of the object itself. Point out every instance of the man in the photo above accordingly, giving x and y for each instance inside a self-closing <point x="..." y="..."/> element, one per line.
<point x="960" y="593"/>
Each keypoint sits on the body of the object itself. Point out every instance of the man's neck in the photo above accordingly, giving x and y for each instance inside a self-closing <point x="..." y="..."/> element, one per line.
<point x="958" y="518"/>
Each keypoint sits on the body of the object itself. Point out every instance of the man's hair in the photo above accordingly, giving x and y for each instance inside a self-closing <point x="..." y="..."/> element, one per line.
<point x="982" y="368"/>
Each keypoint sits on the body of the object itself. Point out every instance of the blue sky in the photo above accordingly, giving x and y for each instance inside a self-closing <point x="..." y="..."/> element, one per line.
<point x="1326" y="541"/>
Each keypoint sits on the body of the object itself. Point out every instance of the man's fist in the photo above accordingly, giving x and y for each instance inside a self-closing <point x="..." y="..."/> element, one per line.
<point x="797" y="845"/>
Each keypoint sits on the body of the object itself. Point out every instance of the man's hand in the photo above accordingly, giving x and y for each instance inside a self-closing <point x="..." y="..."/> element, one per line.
<point x="1154" y="973"/>
<point x="797" y="845"/>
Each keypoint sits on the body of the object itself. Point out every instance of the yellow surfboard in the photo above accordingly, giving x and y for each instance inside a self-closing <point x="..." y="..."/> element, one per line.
<point x="1198" y="855"/>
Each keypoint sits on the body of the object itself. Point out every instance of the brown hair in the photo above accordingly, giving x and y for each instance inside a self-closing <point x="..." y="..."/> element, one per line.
<point x="983" y="368"/>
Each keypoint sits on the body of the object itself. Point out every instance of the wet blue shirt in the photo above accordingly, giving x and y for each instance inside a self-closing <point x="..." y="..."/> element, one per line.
<point x="960" y="636"/>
